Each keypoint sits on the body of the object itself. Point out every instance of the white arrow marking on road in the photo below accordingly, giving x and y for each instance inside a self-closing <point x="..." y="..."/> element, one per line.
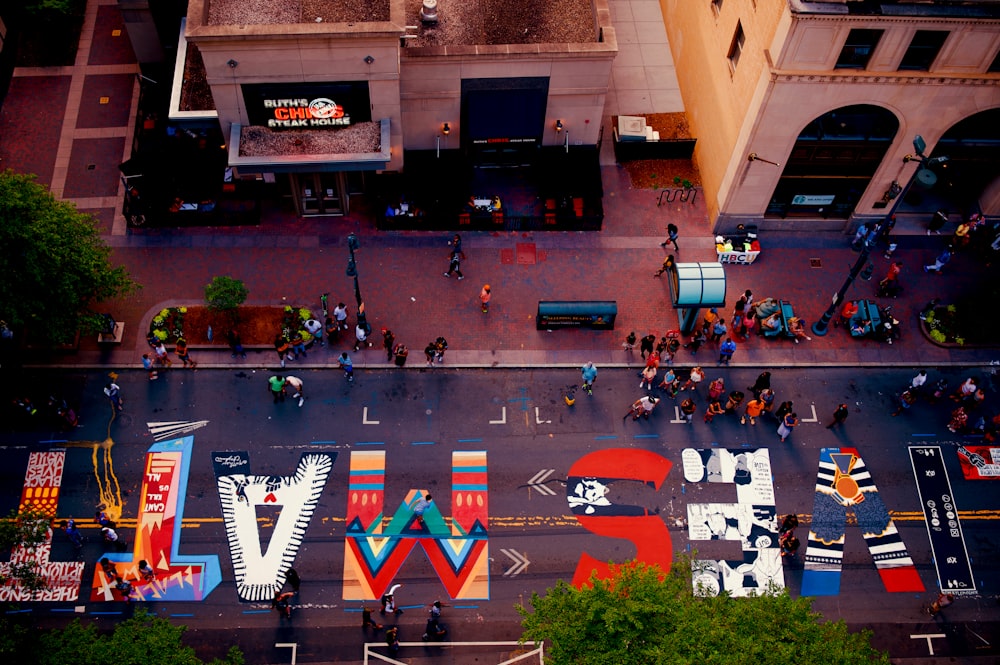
<point x="365" y="421"/>
<point x="166" y="429"/>
<point x="520" y="563"/>
<point x="814" y="419"/>
<point x="537" y="480"/>
<point x="538" y="419"/>
<point x="503" y="417"/>
<point x="288" y="645"/>
<point x="678" y="418"/>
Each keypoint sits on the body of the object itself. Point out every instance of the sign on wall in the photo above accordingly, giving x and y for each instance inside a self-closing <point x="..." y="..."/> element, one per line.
<point x="307" y="105"/>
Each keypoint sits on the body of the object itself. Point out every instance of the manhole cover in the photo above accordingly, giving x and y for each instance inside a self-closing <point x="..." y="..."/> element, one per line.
<point x="815" y="263"/>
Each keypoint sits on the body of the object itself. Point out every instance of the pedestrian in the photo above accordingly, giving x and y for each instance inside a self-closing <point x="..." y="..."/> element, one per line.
<point x="798" y="329"/>
<point x="748" y="297"/>
<point x="282" y="602"/>
<point x="646" y="345"/>
<point x="888" y="285"/>
<point x="943" y="600"/>
<point x="767" y="399"/>
<point x="789" y="546"/>
<point x="420" y="506"/>
<point x="648" y="376"/>
<point x="906" y="400"/>
<point x="673" y="344"/>
<point x="484" y="298"/>
<point x="388" y="339"/>
<point x="276" y="384"/>
<point x="717" y="388"/>
<point x="653" y="360"/>
<point x="940" y="388"/>
<point x="146" y="571"/>
<point x="747" y="322"/>
<point x="753" y="410"/>
<point x="283" y="349"/>
<point x="783" y="410"/>
<point x="661" y="346"/>
<point x="389" y="601"/>
<point x="714" y="409"/>
<point x="147" y="364"/>
<point x="399" y="353"/>
<point x="347" y="366"/>
<point x="429" y="351"/>
<point x="181" y="349"/>
<point x="315" y="328"/>
<point x="646" y="405"/>
<point x="112" y="538"/>
<point x="73" y="534"/>
<point x="367" y="621"/>
<point x="917" y="383"/>
<point x="454" y="265"/>
<point x="109" y="569"/>
<point x="340" y="314"/>
<point x="392" y="640"/>
<point x="965" y="391"/>
<point x="788" y="525"/>
<point x="790" y="421"/>
<point x="589" y="371"/>
<point x="959" y="420"/>
<point x="860" y="236"/>
<point x="296" y="384"/>
<point x="718" y="330"/>
<point x="672" y="233"/>
<point x="671" y="383"/>
<point x="440" y="346"/>
<point x="707" y="321"/>
<point x="434" y="630"/>
<point x="937" y="222"/>
<point x="697" y="339"/>
<point x="293" y="579"/>
<point x="763" y="382"/>
<point x="114" y="393"/>
<point x="361" y="337"/>
<point x="696" y="376"/>
<point x="839" y="416"/>
<point x="734" y="400"/>
<point x="940" y="262"/>
<point x="332" y="329"/>
<point x="726" y="351"/>
<point x="124" y="588"/>
<point x="688" y="407"/>
<point x="668" y="263"/>
<point x="456" y="244"/>
<point x="162" y="355"/>
<point x="298" y="343"/>
<point x="629" y="342"/>
<point x="235" y="344"/>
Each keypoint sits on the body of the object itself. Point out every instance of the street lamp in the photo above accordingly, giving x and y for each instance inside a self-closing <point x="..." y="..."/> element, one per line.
<point x="352" y="266"/>
<point x="927" y="177"/>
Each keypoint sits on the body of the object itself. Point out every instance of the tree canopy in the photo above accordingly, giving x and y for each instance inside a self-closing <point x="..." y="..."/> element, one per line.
<point x="55" y="265"/>
<point x="642" y="616"/>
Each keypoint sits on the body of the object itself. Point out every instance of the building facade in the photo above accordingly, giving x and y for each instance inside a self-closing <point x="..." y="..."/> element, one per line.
<point x="805" y="111"/>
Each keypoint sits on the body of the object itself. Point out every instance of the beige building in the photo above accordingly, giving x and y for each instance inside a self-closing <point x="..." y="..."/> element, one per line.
<point x="804" y="111"/>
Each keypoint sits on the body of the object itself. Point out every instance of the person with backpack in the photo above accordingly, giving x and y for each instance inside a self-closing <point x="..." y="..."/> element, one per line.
<point x="283" y="604"/>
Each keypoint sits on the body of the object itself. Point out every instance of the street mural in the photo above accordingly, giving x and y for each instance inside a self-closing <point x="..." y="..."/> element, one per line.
<point x="176" y="577"/>
<point x="459" y="552"/>
<point x="752" y="521"/>
<point x="587" y="486"/>
<point x="260" y="574"/>
<point x="843" y="484"/>
<point x="42" y="482"/>
<point x="979" y="462"/>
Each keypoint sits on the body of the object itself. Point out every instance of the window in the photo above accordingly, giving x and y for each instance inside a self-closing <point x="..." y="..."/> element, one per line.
<point x="922" y="50"/>
<point x="858" y="49"/>
<point x="717" y="6"/>
<point x="736" y="48"/>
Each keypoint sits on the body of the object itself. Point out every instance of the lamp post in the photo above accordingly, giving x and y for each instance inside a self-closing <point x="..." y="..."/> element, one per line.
<point x="821" y="326"/>
<point x="352" y="266"/>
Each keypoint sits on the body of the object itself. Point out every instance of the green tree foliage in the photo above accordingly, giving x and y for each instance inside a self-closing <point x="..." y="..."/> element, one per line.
<point x="26" y="528"/>
<point x="141" y="640"/>
<point x="55" y="267"/>
<point x="225" y="293"/>
<point x="641" y="616"/>
<point x="52" y="8"/>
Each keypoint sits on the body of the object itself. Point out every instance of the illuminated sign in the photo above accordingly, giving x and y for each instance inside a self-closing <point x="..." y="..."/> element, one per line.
<point x="308" y="105"/>
<point x="319" y="112"/>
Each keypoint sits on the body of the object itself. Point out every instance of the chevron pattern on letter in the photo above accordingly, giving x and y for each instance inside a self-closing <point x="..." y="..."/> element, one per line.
<point x="259" y="574"/>
<point x="179" y="577"/>
<point x="373" y="554"/>
<point x="42" y="482"/>
<point x="843" y="483"/>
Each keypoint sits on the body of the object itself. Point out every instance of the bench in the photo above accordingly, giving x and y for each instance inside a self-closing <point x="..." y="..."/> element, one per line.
<point x="786" y="312"/>
<point x="867" y="311"/>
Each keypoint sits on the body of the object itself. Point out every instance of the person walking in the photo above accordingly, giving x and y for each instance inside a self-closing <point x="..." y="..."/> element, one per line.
<point x="392" y="640"/>
<point x="668" y="263"/>
<point x="697" y="339"/>
<point x="726" y="351"/>
<point x="717" y="388"/>
<point x="889" y="285"/>
<point x="147" y="364"/>
<point x="283" y="349"/>
<point x="673" y="344"/>
<point x="389" y="601"/>
<point x="340" y="315"/>
<point x="456" y="244"/>
<point x="360" y="337"/>
<point x="420" y="506"/>
<point x="783" y="410"/>
<point x="367" y="621"/>
<point x="282" y="603"/>
<point x="906" y="400"/>
<point x="940" y="262"/>
<point x="277" y="386"/>
<point x="937" y="222"/>
<point x="647" y="344"/>
<point x="484" y="298"/>
<point x="162" y="355"/>
<point x="942" y="601"/>
<point x="454" y="265"/>
<point x="293" y="579"/>
<point x="589" y="372"/>
<point x="114" y="394"/>
<point x="672" y="233"/>
<point x="917" y="382"/>
<point x="718" y="330"/>
<point x="688" y="407"/>
<point x="629" y="342"/>
<point x="181" y="349"/>
<point x="642" y="407"/>
<point x="296" y="384"/>
<point x="440" y="346"/>
<point x="839" y="416"/>
<point x="762" y="383"/>
<point x="754" y="408"/>
<point x="388" y="339"/>
<point x="235" y="344"/>
<point x="694" y="378"/>
<point x="767" y="399"/>
<point x="347" y="366"/>
<point x="790" y="421"/>
<point x="648" y="375"/>
<point x="73" y="534"/>
<point x="429" y="351"/>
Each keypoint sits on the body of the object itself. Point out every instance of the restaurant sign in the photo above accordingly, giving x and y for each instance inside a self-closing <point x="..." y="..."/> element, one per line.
<point x="307" y="106"/>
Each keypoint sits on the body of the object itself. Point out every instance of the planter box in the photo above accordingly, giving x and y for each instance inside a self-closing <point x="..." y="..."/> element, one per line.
<point x="663" y="149"/>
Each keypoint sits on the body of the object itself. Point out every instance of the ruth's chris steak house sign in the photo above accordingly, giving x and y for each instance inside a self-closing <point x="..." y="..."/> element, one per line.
<point x="307" y="106"/>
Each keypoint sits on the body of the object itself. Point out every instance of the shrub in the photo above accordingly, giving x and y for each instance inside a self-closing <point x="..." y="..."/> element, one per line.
<point x="225" y="293"/>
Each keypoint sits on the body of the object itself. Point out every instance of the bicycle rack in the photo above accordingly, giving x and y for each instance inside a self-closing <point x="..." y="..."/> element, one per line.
<point x="684" y="195"/>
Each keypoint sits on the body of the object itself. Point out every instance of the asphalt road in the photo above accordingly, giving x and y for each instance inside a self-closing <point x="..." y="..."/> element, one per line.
<point x="533" y="450"/>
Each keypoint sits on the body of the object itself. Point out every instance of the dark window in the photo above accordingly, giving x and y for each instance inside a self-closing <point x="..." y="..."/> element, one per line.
<point x="717" y="6"/>
<point x="736" y="48"/>
<point x="995" y="65"/>
<point x="923" y="49"/>
<point x="858" y="49"/>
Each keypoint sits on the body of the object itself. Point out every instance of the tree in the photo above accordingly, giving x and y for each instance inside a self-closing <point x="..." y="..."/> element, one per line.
<point x="26" y="528"/>
<point x="641" y="615"/>
<point x="225" y="293"/>
<point x="56" y="268"/>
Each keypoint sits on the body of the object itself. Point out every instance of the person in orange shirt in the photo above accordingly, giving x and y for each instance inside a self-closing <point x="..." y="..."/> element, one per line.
<point x="754" y="408"/>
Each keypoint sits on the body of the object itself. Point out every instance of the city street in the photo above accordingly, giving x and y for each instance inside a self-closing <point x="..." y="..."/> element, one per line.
<point x="523" y="486"/>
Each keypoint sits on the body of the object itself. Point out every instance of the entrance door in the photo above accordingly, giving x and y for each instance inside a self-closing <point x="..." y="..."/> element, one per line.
<point x="320" y="194"/>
